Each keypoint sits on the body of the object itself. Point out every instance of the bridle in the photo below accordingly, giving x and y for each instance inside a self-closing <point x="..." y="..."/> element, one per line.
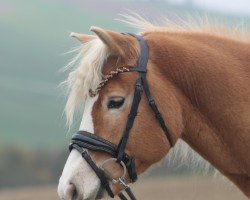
<point x="83" y="141"/>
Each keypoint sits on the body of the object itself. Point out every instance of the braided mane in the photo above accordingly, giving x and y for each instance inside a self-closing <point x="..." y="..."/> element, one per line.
<point x="106" y="78"/>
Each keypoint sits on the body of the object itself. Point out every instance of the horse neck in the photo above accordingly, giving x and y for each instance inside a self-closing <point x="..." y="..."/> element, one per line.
<point x="211" y="83"/>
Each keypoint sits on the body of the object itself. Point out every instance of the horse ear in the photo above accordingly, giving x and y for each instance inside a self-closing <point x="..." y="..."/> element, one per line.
<point x="111" y="39"/>
<point x="82" y="37"/>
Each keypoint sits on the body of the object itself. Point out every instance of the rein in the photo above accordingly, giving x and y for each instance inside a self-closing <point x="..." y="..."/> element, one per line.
<point x="83" y="141"/>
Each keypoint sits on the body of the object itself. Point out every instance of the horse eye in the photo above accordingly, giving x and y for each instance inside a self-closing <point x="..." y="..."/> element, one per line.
<point x="115" y="103"/>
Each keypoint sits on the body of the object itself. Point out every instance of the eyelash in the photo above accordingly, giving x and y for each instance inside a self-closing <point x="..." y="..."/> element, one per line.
<point x="112" y="104"/>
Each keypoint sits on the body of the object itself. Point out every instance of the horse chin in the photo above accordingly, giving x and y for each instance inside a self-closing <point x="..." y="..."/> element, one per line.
<point x="102" y="194"/>
<point x="97" y="194"/>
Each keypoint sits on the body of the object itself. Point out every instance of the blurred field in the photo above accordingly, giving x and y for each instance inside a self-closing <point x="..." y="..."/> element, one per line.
<point x="33" y="137"/>
<point x="175" y="189"/>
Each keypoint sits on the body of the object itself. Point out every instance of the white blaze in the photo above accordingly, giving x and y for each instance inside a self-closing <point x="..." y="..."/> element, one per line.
<point x="87" y="120"/>
<point x="76" y="169"/>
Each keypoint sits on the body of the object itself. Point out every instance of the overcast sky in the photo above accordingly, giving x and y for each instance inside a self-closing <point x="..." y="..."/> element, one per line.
<point x="233" y="6"/>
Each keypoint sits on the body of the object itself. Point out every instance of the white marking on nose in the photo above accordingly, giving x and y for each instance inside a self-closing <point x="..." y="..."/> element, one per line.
<point x="76" y="170"/>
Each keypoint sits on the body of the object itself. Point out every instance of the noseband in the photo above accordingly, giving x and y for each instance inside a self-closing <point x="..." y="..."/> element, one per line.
<point x="83" y="141"/>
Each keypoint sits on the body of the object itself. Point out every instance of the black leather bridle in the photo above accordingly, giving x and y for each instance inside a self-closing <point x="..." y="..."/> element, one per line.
<point x="83" y="140"/>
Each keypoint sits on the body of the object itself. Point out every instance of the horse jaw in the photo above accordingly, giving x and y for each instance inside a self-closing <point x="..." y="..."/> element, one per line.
<point x="76" y="170"/>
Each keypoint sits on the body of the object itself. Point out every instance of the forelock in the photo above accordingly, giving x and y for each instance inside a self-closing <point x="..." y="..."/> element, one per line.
<point x="86" y="74"/>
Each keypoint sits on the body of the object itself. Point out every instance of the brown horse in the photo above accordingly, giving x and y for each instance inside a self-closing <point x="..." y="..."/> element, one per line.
<point x="201" y="83"/>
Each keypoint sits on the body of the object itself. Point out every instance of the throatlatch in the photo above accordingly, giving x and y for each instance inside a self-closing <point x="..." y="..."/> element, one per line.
<point x="83" y="140"/>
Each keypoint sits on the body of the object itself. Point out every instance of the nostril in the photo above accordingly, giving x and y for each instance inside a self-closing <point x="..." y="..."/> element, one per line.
<point x="71" y="192"/>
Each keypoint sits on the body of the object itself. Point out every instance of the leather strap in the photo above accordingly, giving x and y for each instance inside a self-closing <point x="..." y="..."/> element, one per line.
<point x="130" y="121"/>
<point x="93" y="142"/>
<point x="100" y="173"/>
<point x="122" y="196"/>
<point x="130" y="193"/>
<point x="143" y="59"/>
<point x="154" y="107"/>
<point x="141" y="68"/>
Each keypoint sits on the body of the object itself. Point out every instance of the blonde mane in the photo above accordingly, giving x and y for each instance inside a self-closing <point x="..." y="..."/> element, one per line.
<point x="218" y="27"/>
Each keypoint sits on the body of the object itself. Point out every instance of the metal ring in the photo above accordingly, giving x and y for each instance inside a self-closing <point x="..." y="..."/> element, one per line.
<point x="121" y="163"/>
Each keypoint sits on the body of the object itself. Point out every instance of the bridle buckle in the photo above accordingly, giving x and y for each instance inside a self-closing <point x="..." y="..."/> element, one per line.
<point x="122" y="177"/>
<point x="121" y="181"/>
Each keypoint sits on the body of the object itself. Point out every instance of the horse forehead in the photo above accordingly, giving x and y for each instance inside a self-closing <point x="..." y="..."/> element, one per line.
<point x="87" y="118"/>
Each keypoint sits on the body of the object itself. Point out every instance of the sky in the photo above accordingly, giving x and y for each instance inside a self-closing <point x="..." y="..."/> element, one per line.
<point x="237" y="7"/>
<point x="241" y="7"/>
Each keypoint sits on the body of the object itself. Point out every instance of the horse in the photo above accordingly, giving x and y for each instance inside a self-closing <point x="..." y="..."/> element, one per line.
<point x="200" y="82"/>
